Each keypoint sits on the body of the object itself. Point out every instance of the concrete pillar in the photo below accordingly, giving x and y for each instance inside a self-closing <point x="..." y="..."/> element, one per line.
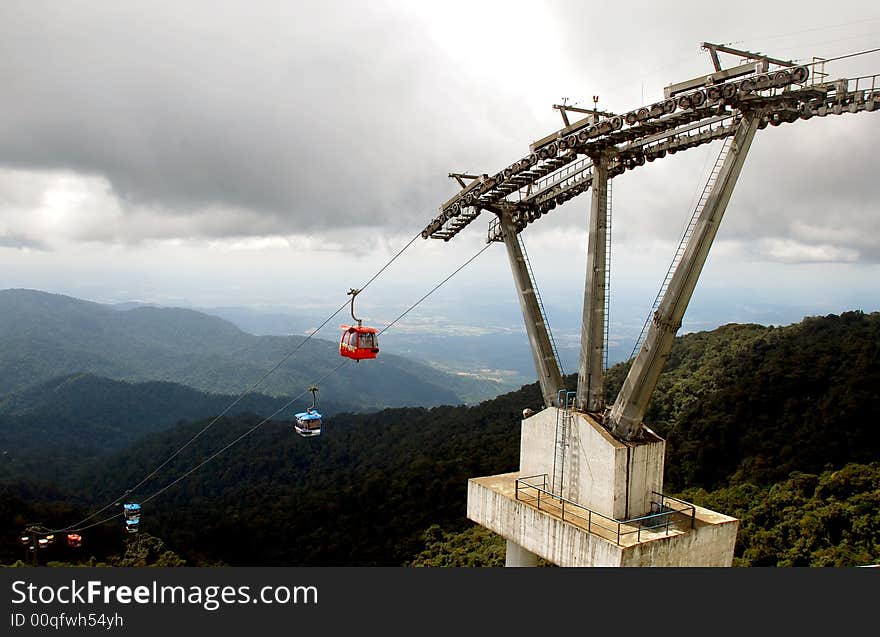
<point x="591" y="382"/>
<point x="614" y="478"/>
<point x="549" y="376"/>
<point x="635" y="393"/>
<point x="518" y="556"/>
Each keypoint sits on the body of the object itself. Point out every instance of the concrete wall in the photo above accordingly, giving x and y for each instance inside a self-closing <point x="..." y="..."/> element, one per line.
<point x="601" y="473"/>
<point x="707" y="545"/>
<point x="645" y="476"/>
<point x="547" y="537"/>
<point x="537" y="443"/>
<point x="598" y="477"/>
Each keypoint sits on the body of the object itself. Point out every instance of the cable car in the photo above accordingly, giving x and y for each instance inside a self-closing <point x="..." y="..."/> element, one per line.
<point x="74" y="540"/>
<point x="25" y="539"/>
<point x="308" y="423"/>
<point x="43" y="543"/>
<point x="50" y="539"/>
<point x="132" y="516"/>
<point x="358" y="342"/>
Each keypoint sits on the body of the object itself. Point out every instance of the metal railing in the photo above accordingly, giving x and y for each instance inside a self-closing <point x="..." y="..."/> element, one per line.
<point x="533" y="490"/>
<point x="561" y="175"/>
<point x="863" y="84"/>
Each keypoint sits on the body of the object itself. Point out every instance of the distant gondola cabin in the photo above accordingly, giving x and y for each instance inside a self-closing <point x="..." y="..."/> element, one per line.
<point x="308" y="423"/>
<point x="132" y="516"/>
<point x="358" y="342"/>
<point x="74" y="540"/>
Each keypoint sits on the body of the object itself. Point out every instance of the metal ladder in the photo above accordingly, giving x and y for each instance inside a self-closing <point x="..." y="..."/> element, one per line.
<point x="565" y="401"/>
<point x="607" y="272"/>
<point x="522" y="247"/>
<point x="682" y="245"/>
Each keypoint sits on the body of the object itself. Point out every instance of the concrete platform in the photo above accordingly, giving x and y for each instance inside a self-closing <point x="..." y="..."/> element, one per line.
<point x="583" y="539"/>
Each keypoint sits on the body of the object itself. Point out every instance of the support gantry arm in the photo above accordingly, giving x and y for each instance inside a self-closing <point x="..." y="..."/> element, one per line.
<point x="632" y="401"/>
<point x="549" y="376"/>
<point x="591" y="386"/>
<point x="727" y="102"/>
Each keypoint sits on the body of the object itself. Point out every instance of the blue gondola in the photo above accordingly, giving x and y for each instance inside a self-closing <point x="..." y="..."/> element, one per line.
<point x="308" y="423"/>
<point x="132" y="516"/>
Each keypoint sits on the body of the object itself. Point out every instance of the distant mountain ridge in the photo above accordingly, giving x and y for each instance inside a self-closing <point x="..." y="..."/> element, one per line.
<point x="103" y="400"/>
<point x="43" y="336"/>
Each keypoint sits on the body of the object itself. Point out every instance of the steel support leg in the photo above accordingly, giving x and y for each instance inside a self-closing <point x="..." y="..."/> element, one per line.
<point x="632" y="401"/>
<point x="549" y="376"/>
<point x="591" y="385"/>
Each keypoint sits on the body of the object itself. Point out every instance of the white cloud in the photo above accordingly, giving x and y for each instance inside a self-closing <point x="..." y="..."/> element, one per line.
<point x="792" y="251"/>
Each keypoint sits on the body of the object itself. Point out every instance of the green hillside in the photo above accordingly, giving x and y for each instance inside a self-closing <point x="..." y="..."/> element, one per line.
<point x="80" y="417"/>
<point x="747" y="412"/>
<point x="43" y="336"/>
<point x="754" y="403"/>
<point x="830" y="519"/>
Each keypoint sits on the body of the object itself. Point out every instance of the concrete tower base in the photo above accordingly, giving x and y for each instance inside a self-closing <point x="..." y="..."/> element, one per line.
<point x="607" y="509"/>
<point x="614" y="478"/>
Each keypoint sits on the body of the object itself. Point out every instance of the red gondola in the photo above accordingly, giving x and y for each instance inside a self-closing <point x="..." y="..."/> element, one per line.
<point x="74" y="540"/>
<point x="358" y="342"/>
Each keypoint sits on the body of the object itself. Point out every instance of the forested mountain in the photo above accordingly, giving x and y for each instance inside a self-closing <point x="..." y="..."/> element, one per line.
<point x="43" y="336"/>
<point x="361" y="493"/>
<point x="827" y="519"/>
<point x="79" y="417"/>
<point x="747" y="412"/>
<point x="754" y="403"/>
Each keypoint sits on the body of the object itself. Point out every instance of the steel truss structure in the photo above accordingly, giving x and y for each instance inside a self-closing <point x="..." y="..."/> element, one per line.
<point x="585" y="154"/>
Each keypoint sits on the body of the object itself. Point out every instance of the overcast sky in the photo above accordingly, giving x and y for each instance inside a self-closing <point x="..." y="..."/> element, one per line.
<point x="275" y="154"/>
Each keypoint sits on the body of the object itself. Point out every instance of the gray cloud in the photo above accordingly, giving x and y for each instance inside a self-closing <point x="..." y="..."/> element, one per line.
<point x="808" y="191"/>
<point x="811" y="183"/>
<point x="22" y="243"/>
<point x="311" y="114"/>
<point x="230" y="119"/>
